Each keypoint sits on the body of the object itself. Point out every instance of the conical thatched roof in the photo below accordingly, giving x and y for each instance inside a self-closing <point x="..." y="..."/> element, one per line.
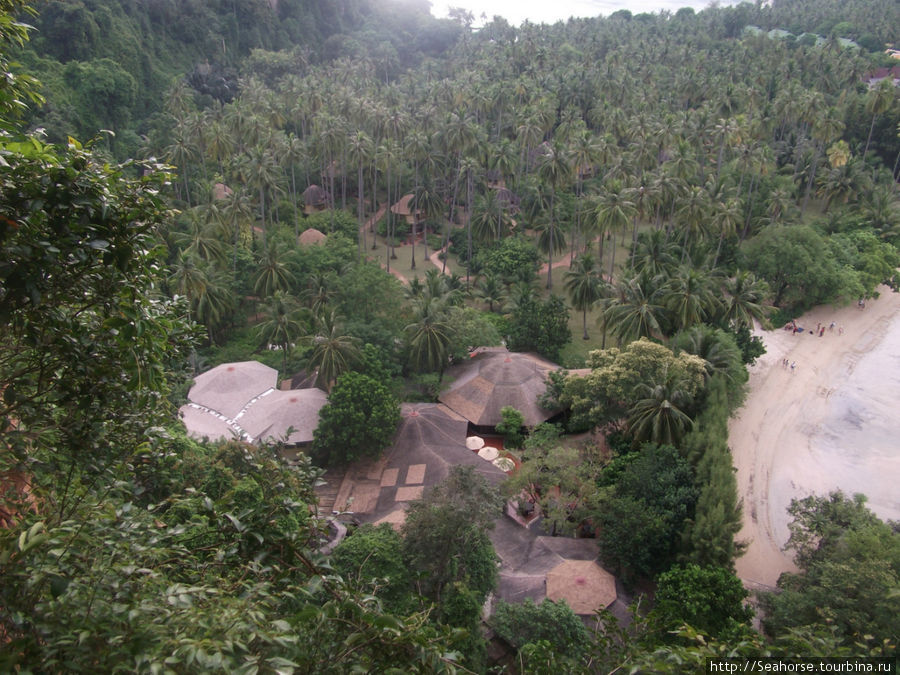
<point x="509" y="200"/>
<point x="311" y="237"/>
<point x="228" y="388"/>
<point x="402" y="207"/>
<point x="221" y="191"/>
<point x="272" y="415"/>
<point x="496" y="378"/>
<point x="315" y="196"/>
<point x="430" y="440"/>
<point x="583" y="584"/>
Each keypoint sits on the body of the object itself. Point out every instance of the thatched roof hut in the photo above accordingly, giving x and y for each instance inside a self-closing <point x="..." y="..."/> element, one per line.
<point x="311" y="237"/>
<point x="430" y="440"/>
<point x="404" y="208"/>
<point x="239" y="400"/>
<point x="583" y="584"/>
<point x="315" y="199"/>
<point x="229" y="387"/>
<point x="509" y="200"/>
<point x="273" y="415"/>
<point x="221" y="191"/>
<point x="495" y="378"/>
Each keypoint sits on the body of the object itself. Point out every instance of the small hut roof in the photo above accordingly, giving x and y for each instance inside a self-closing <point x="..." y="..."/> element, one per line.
<point x="497" y="378"/>
<point x="311" y="237"/>
<point x="583" y="584"/>
<point x="221" y="191"/>
<point x="315" y="196"/>
<point x="509" y="200"/>
<point x="402" y="207"/>
<point x="229" y="387"/>
<point x="272" y="415"/>
<point x="303" y="379"/>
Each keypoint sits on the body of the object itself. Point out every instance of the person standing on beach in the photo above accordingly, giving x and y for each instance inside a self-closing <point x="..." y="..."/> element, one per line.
<point x="793" y="365"/>
<point x="831" y="327"/>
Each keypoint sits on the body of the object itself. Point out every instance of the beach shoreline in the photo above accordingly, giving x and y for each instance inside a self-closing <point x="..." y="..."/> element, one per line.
<point x="816" y="427"/>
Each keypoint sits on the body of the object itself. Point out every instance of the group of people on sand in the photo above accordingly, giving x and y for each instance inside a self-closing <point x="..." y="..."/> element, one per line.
<point x="787" y="363"/>
<point x="820" y="328"/>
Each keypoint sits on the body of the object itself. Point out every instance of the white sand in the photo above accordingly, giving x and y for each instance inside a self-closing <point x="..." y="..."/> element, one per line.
<point x="832" y="423"/>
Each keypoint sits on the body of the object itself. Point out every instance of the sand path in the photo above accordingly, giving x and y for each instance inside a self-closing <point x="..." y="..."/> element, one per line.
<point x="775" y="436"/>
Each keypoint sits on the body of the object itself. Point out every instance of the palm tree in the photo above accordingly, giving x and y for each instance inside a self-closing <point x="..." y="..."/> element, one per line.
<point x="658" y="416"/>
<point x="843" y="183"/>
<point x="237" y="214"/>
<point x="273" y="273"/>
<point x="283" y="324"/>
<point x="693" y="216"/>
<point x="689" y="297"/>
<point x="490" y="289"/>
<point x="613" y="212"/>
<point x="585" y="286"/>
<point x="388" y="155"/>
<point x="633" y="311"/>
<point x="555" y="171"/>
<point x="180" y="153"/>
<point x="490" y="218"/>
<point x="260" y="170"/>
<point x="416" y="147"/>
<point x="520" y="293"/>
<point x="720" y="354"/>
<point x="427" y="200"/>
<point x="188" y="278"/>
<point x="726" y="216"/>
<point x="430" y="336"/>
<point x="199" y="241"/>
<point x="361" y="151"/>
<point x="319" y="291"/>
<point x="743" y="301"/>
<point x="333" y="352"/>
<point x="584" y="153"/>
<point x="655" y="255"/>
<point x="214" y="304"/>
<point x="879" y="101"/>
<point x="468" y="166"/>
<point x="292" y="151"/>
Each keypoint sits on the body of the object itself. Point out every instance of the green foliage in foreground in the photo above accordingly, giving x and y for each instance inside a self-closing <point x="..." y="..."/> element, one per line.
<point x="849" y="572"/>
<point x="202" y="562"/>
<point x="711" y="599"/>
<point x="551" y="622"/>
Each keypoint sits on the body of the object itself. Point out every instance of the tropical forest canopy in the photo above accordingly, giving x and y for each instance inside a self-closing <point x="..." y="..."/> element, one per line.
<point x="627" y="195"/>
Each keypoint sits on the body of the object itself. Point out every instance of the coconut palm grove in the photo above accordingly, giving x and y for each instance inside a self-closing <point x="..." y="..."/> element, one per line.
<point x="504" y="284"/>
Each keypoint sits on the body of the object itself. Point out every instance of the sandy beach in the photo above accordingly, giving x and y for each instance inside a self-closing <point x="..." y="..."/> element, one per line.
<point x="832" y="422"/>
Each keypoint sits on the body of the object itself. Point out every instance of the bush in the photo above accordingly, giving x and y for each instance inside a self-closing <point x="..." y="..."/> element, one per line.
<point x="529" y="623"/>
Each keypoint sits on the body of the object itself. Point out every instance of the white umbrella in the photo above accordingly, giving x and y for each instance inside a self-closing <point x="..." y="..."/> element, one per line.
<point x="474" y="442"/>
<point x="489" y="453"/>
<point x="504" y="464"/>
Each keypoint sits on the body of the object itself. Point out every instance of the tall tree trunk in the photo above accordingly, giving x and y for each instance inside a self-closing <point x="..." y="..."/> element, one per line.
<point x="360" y="210"/>
<point x="812" y="177"/>
<point x="468" y="225"/>
<point x="389" y="215"/>
<point x="869" y="137"/>
<point x="552" y="241"/>
<point x="294" y="199"/>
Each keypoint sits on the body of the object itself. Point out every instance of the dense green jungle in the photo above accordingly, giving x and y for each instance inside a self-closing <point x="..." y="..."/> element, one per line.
<point x="359" y="193"/>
